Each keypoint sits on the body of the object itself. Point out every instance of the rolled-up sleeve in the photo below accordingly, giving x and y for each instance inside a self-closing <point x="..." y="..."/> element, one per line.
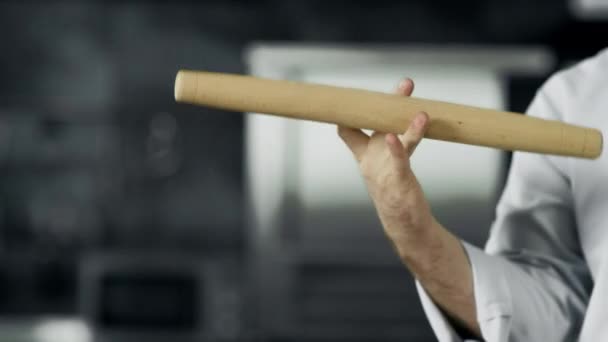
<point x="531" y="283"/>
<point x="492" y="299"/>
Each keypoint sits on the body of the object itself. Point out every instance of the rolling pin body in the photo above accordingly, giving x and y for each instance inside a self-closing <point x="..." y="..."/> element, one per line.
<point x="386" y="113"/>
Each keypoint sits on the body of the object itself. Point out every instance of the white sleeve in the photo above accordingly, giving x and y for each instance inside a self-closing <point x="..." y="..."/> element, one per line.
<point x="531" y="283"/>
<point x="493" y="306"/>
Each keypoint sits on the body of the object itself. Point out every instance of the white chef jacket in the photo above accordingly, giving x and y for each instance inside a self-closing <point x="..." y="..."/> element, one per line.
<point x="544" y="273"/>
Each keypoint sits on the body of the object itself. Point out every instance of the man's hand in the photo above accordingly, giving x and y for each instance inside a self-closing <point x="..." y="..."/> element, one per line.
<point x="435" y="256"/>
<point x="384" y="160"/>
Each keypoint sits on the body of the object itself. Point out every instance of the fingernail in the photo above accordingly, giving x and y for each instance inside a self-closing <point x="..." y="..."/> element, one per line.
<point x="420" y="120"/>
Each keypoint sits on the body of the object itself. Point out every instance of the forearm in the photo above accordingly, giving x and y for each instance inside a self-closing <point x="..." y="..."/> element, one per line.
<point x="438" y="260"/>
<point x="432" y="254"/>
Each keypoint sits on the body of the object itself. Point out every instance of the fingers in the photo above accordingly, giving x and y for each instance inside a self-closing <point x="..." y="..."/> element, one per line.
<point x="414" y="134"/>
<point x="398" y="153"/>
<point x="405" y="87"/>
<point x="402" y="148"/>
<point x="358" y="141"/>
<point x="355" y="139"/>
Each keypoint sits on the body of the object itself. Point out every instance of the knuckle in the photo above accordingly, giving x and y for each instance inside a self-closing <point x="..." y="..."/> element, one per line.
<point x="367" y="171"/>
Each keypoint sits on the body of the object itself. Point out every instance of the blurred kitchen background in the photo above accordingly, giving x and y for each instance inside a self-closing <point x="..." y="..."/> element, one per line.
<point x="125" y="216"/>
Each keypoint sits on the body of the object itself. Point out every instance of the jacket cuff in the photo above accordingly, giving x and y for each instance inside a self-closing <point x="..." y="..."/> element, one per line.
<point x="492" y="299"/>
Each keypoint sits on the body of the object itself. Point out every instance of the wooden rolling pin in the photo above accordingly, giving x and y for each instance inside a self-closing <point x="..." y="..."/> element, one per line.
<point x="386" y="113"/>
